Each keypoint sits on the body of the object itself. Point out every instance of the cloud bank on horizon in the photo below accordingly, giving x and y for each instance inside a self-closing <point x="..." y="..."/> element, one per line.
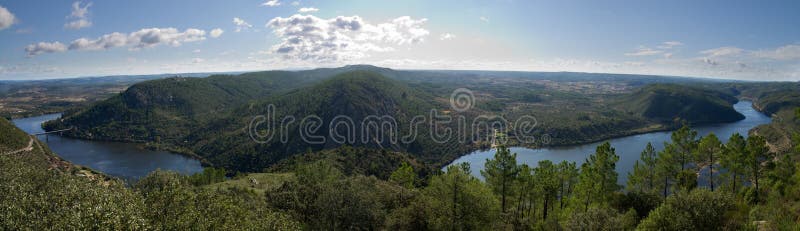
<point x="751" y="40"/>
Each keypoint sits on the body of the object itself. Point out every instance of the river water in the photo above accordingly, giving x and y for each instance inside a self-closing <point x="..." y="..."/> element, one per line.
<point x="627" y="148"/>
<point x="124" y="160"/>
<point x="130" y="161"/>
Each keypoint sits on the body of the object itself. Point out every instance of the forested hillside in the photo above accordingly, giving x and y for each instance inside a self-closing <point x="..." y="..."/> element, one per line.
<point x="210" y="117"/>
<point x="321" y="193"/>
<point x="671" y="102"/>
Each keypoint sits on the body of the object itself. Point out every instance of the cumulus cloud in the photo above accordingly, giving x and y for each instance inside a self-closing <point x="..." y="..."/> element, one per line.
<point x="446" y="36"/>
<point x="271" y="3"/>
<point x="722" y="51"/>
<point x="6" y="18"/>
<point x="307" y="37"/>
<point x="144" y="38"/>
<point x="644" y="51"/>
<point x="307" y="10"/>
<point x="215" y="33"/>
<point x="787" y="52"/>
<point x="80" y="15"/>
<point x="241" y="24"/>
<point x="45" y="47"/>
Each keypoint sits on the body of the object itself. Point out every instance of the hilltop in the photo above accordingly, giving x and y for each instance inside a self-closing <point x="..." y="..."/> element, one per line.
<point x="666" y="103"/>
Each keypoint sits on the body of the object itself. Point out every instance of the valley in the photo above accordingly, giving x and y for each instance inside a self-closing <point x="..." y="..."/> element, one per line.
<point x="258" y="180"/>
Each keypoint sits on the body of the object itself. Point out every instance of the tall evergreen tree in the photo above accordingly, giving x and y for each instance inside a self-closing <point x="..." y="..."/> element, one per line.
<point x="685" y="141"/>
<point x="404" y="176"/>
<point x="459" y="201"/>
<point x="709" y="148"/>
<point x="501" y="173"/>
<point x="598" y="177"/>
<point x="547" y="180"/>
<point x="568" y="177"/>
<point x="642" y="177"/>
<point x="667" y="167"/>
<point x="757" y="151"/>
<point x="734" y="158"/>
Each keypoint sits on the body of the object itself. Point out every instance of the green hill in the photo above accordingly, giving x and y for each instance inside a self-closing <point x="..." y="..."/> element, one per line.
<point x="358" y="95"/>
<point x="670" y="102"/>
<point x="11" y="138"/>
<point x="168" y="109"/>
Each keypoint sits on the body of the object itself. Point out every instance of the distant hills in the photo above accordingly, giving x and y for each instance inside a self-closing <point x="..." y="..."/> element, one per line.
<point x="671" y="102"/>
<point x="209" y="117"/>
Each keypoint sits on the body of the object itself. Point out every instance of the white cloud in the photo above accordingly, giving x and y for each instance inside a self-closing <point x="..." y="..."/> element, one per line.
<point x="781" y="53"/>
<point x="196" y="51"/>
<point x="669" y="45"/>
<point x="722" y="51"/>
<point x="484" y="19"/>
<point x="241" y="24"/>
<point x="80" y="14"/>
<point x="447" y="36"/>
<point x="307" y="37"/>
<point x="215" y="33"/>
<point x="78" y="24"/>
<point x="144" y="38"/>
<point x="45" y="47"/>
<point x="198" y="60"/>
<point x="307" y="10"/>
<point x="271" y="3"/>
<point x="644" y="51"/>
<point x="6" y="18"/>
<point x="296" y="3"/>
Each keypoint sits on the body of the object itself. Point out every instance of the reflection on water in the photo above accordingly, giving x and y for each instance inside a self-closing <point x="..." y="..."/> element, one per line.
<point x="124" y="160"/>
<point x="627" y="148"/>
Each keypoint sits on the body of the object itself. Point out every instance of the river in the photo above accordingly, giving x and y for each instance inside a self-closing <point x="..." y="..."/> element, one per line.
<point x="627" y="148"/>
<point x="130" y="161"/>
<point x="124" y="160"/>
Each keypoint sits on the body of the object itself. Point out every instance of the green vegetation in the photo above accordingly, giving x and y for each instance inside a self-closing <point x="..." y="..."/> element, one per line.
<point x="672" y="102"/>
<point x="316" y="193"/>
<point x="208" y="117"/>
<point x="12" y="138"/>
<point x="41" y="192"/>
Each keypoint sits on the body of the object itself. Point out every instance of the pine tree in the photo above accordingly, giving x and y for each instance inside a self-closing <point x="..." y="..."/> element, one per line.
<point x="547" y="180"/>
<point x="501" y="173"/>
<point x="642" y="177"/>
<point x="667" y="167"/>
<point x="757" y="151"/>
<point x="568" y="177"/>
<point x="709" y="148"/>
<point x="404" y="176"/>
<point x="685" y="141"/>
<point x="734" y="158"/>
<point x="598" y="177"/>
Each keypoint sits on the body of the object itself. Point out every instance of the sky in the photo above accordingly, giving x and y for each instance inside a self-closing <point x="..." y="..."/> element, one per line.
<point x="749" y="40"/>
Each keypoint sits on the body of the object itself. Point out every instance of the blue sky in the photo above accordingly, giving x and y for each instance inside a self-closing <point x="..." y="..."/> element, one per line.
<point x="755" y="40"/>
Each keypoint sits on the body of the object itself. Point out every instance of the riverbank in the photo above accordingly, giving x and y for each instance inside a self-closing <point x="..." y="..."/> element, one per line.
<point x="627" y="148"/>
<point x="127" y="161"/>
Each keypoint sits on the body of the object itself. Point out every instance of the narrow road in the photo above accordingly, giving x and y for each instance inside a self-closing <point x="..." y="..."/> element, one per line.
<point x="26" y="149"/>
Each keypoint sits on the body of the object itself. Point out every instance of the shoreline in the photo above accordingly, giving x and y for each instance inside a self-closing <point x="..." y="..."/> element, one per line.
<point x="646" y="131"/>
<point x="647" y="128"/>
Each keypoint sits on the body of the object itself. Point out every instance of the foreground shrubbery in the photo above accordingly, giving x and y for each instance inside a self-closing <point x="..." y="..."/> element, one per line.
<point x="34" y="198"/>
<point x="758" y="190"/>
